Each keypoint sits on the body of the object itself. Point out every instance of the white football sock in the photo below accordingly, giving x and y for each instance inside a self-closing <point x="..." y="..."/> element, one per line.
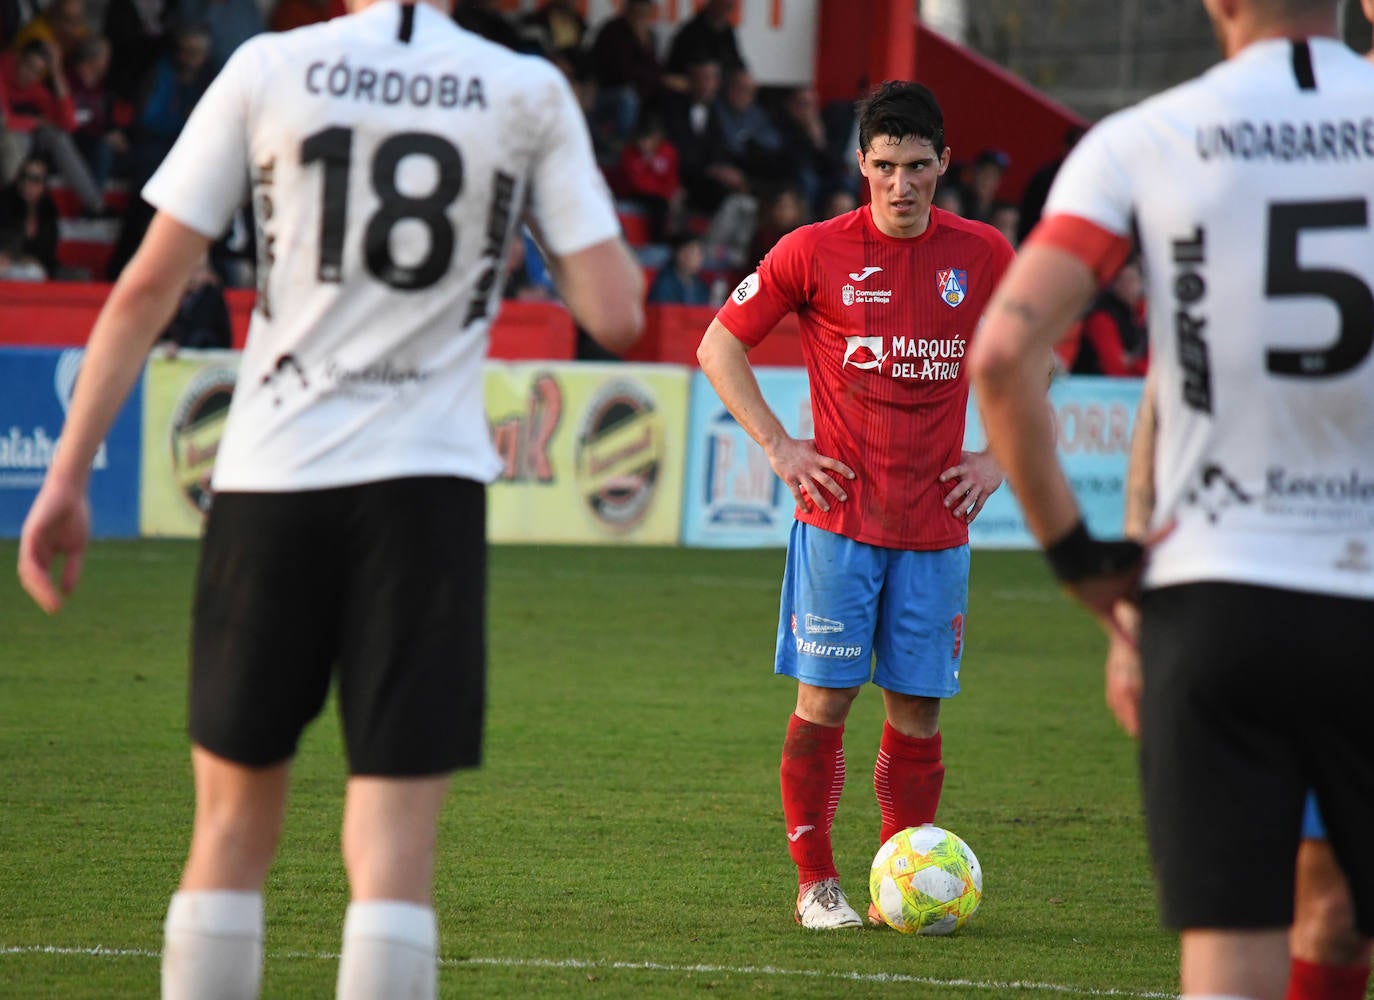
<point x="390" y="952"/>
<point x="212" y="946"/>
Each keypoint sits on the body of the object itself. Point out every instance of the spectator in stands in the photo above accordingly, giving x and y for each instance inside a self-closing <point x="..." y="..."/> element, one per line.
<point x="680" y="282"/>
<point x="527" y="276"/>
<point x="1112" y="339"/>
<point x="1038" y="187"/>
<point x="949" y="197"/>
<point x="14" y="14"/>
<point x="783" y="210"/>
<point x="136" y="30"/>
<point x="176" y="83"/>
<point x="984" y="180"/>
<point x="707" y="37"/>
<point x="38" y="116"/>
<point x="555" y="26"/>
<point x="100" y="140"/>
<point x="624" y="59"/>
<point x="840" y="201"/>
<point x="63" y="24"/>
<point x="15" y="263"/>
<point x="1005" y="217"/>
<point x="647" y="175"/>
<point x="577" y="70"/>
<point x="751" y="136"/>
<point x="289" y="14"/>
<point x="202" y="317"/>
<point x="485" y="18"/>
<point x="28" y="209"/>
<point x="229" y="22"/>
<point x="694" y="127"/>
<point x="841" y="119"/>
<point x="805" y="148"/>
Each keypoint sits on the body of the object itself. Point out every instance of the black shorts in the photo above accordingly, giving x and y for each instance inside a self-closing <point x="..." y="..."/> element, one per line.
<point x="1253" y="696"/>
<point x="383" y="584"/>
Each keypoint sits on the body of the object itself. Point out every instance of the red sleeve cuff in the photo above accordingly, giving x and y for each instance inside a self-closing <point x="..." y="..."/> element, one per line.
<point x="1101" y="250"/>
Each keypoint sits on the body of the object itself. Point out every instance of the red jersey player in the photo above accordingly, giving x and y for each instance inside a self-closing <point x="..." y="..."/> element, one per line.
<point x="889" y="297"/>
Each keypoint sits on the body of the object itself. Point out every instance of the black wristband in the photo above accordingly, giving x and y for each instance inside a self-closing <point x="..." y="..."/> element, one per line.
<point x="1078" y="555"/>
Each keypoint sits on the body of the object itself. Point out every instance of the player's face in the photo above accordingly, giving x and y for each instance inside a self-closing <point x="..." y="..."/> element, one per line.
<point x="901" y="182"/>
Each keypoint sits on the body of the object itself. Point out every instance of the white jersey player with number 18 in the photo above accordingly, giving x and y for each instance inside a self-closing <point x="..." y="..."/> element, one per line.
<point x="390" y="157"/>
<point x="1250" y="191"/>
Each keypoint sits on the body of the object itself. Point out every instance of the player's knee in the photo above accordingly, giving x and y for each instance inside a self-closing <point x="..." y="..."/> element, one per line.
<point x="1324" y="930"/>
<point x="825" y="706"/>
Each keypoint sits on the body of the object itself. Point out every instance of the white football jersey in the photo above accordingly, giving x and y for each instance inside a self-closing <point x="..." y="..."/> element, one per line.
<point x="1250" y="189"/>
<point x="389" y="156"/>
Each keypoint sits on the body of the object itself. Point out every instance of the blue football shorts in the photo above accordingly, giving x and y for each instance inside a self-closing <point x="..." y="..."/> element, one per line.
<point x="847" y="603"/>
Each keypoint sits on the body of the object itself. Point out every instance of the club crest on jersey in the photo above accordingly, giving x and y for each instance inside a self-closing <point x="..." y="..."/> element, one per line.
<point x="953" y="285"/>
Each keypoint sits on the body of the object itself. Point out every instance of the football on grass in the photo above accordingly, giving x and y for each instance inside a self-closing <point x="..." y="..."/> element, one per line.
<point x="925" y="880"/>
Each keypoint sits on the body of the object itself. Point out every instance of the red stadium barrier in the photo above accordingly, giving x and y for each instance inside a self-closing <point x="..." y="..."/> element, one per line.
<point x="60" y="314"/>
<point x="671" y="334"/>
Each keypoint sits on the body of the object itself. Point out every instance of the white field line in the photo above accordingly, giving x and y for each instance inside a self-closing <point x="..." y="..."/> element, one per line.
<point x="99" y="951"/>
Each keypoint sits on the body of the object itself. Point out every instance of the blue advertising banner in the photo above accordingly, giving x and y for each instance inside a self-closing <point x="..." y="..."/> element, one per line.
<point x="733" y="500"/>
<point x="35" y="390"/>
<point x="1094" y="417"/>
<point x="731" y="497"/>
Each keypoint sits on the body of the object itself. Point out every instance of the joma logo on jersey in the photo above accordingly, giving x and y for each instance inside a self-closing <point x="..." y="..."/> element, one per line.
<point x="849" y="294"/>
<point x="953" y="285"/>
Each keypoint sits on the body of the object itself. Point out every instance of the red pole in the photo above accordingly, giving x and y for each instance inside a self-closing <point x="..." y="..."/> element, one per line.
<point x="892" y="53"/>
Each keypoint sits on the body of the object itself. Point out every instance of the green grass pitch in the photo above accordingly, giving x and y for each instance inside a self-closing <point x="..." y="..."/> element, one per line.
<point x="624" y="837"/>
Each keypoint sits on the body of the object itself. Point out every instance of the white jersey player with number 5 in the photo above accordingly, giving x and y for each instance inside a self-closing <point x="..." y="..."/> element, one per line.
<point x="390" y="157"/>
<point x="1251" y="192"/>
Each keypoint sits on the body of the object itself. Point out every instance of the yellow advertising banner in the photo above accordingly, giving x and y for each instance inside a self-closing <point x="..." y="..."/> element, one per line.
<point x="185" y="403"/>
<point x="592" y="452"/>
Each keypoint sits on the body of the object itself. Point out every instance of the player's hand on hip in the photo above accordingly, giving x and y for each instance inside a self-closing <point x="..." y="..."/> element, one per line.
<point x="812" y="478"/>
<point x="58" y="525"/>
<point x="975" y="478"/>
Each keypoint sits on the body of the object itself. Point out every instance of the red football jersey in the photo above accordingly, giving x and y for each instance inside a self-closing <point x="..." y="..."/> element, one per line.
<point x="885" y="327"/>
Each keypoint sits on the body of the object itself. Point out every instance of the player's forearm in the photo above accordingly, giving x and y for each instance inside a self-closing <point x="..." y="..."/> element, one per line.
<point x="1021" y="439"/>
<point x="114" y="359"/>
<point x="137" y="311"/>
<point x="1140" y="480"/>
<point x="725" y="363"/>
<point x="603" y="288"/>
<point x="1042" y="293"/>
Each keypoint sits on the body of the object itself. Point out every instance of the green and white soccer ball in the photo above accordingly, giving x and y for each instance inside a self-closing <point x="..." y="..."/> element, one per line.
<point x="925" y="880"/>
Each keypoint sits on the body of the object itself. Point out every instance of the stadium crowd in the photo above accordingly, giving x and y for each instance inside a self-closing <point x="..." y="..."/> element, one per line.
<point x="709" y="169"/>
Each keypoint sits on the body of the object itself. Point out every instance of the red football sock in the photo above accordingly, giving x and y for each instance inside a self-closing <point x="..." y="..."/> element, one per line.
<point x="812" y="776"/>
<point x="907" y="779"/>
<point x="1313" y="981"/>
